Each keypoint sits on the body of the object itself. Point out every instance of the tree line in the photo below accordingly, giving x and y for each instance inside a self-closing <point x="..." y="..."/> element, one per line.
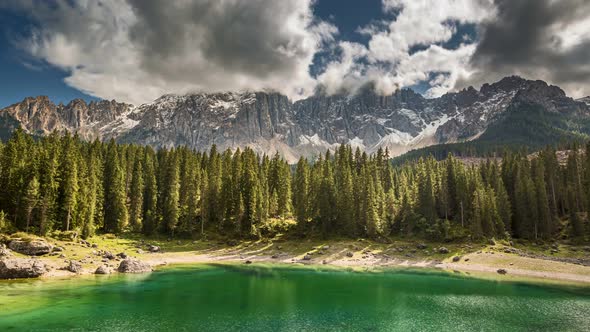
<point x="61" y="183"/>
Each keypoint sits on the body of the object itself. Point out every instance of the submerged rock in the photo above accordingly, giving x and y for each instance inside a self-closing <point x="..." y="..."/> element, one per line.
<point x="21" y="268"/>
<point x="307" y="257"/>
<point x="502" y="271"/>
<point x="443" y="250"/>
<point x="456" y="259"/>
<point x="421" y="246"/>
<point x="134" y="266"/>
<point x="349" y="254"/>
<point x="35" y="247"/>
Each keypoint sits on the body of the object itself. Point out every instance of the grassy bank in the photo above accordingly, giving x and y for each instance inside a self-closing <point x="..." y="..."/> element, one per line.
<point x="522" y="260"/>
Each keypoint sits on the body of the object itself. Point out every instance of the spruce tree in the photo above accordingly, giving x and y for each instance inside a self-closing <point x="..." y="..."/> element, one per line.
<point x="170" y="194"/>
<point x="301" y="188"/>
<point x="31" y="200"/>
<point x="115" y="207"/>
<point x="150" y="195"/>
<point x="69" y="186"/>
<point x="136" y="196"/>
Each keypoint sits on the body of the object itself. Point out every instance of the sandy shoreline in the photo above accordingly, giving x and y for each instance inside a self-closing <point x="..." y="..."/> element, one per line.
<point x="523" y="269"/>
<point x="545" y="269"/>
<point x="467" y="259"/>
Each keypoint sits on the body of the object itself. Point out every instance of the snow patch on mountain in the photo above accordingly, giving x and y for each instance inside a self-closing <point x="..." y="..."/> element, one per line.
<point x="412" y="115"/>
<point x="270" y="123"/>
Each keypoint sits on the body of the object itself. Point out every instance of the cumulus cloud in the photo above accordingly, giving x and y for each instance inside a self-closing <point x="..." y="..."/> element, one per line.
<point x="539" y="39"/>
<point x="138" y="50"/>
<point x="390" y="60"/>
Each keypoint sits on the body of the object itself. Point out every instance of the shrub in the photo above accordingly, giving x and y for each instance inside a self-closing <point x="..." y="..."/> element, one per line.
<point x="24" y="236"/>
<point x="64" y="235"/>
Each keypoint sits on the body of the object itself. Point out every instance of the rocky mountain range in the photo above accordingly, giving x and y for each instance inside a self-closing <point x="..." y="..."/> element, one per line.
<point x="269" y="122"/>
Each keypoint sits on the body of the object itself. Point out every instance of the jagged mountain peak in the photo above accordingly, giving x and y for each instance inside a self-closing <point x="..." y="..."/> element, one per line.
<point x="269" y="122"/>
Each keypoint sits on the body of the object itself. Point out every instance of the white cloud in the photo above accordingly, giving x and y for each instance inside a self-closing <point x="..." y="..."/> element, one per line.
<point x="136" y="51"/>
<point x="390" y="62"/>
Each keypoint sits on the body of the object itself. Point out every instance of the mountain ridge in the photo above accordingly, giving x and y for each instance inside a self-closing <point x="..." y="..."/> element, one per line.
<point x="270" y="123"/>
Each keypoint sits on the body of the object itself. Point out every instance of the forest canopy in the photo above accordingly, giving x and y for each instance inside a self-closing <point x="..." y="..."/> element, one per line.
<point x="61" y="183"/>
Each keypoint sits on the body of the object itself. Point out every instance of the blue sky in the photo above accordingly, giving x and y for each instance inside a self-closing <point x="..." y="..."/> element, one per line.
<point x="135" y="51"/>
<point x="25" y="75"/>
<point x="19" y="80"/>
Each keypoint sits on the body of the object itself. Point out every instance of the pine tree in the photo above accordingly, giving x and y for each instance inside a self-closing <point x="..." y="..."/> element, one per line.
<point x="170" y="194"/>
<point x="115" y="208"/>
<point x="477" y="213"/>
<point x="373" y="221"/>
<point x="69" y="177"/>
<point x="426" y="191"/>
<point x="31" y="200"/>
<point x="48" y="184"/>
<point x="284" y="189"/>
<point x="344" y="192"/>
<point x="88" y="192"/>
<point x="150" y="195"/>
<point x="326" y="198"/>
<point x="575" y="221"/>
<point x="301" y="195"/>
<point x="503" y="205"/>
<point x="136" y="196"/>
<point x="543" y="224"/>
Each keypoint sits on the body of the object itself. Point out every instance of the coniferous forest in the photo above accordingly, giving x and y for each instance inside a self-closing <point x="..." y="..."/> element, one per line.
<point x="61" y="183"/>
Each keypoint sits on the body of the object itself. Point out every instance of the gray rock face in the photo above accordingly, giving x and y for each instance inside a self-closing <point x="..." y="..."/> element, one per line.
<point x="74" y="267"/>
<point x="108" y="255"/>
<point x="270" y="122"/>
<point x="40" y="116"/>
<point x="103" y="270"/>
<point x="35" y="247"/>
<point x="21" y="268"/>
<point x="4" y="252"/>
<point x="443" y="250"/>
<point x="133" y="266"/>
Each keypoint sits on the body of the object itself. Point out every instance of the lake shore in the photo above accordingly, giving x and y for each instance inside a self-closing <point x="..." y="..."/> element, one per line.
<point x="518" y="268"/>
<point x="481" y="261"/>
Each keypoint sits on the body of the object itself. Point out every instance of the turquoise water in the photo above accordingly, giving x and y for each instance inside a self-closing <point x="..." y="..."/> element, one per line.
<point x="260" y="298"/>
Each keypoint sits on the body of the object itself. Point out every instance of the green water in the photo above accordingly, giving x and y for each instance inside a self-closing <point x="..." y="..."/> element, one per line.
<point x="258" y="298"/>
